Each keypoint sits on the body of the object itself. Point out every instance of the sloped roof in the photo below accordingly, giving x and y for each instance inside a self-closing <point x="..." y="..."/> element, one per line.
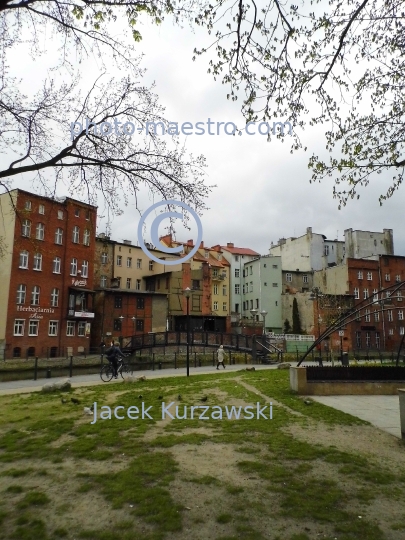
<point x="240" y="251"/>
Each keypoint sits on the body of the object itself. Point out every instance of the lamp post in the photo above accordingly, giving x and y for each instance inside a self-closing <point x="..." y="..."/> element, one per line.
<point x="187" y="293"/>
<point x="254" y="313"/>
<point x="121" y="318"/>
<point x="263" y="313"/>
<point x="315" y="294"/>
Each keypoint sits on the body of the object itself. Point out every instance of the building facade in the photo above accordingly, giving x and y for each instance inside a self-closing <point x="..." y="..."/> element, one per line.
<point x="46" y="298"/>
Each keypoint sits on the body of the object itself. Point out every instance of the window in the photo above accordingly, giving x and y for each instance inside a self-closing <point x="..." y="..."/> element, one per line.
<point x="53" y="328"/>
<point x="128" y="283"/>
<point x="129" y="262"/>
<point x="77" y="212"/>
<point x="399" y="296"/>
<point x="368" y="339"/>
<point x="117" y="325"/>
<point x="138" y="285"/>
<point x="55" y="297"/>
<point x="326" y="250"/>
<point x="140" y="303"/>
<point x="365" y="293"/>
<point x="119" y="260"/>
<point x="85" y="269"/>
<point x="369" y="276"/>
<point x="387" y="277"/>
<point x="358" y="340"/>
<point x="41" y="209"/>
<point x="251" y="270"/>
<point x="265" y="266"/>
<point x="236" y="272"/>
<point x="275" y="266"/>
<point x="377" y="340"/>
<point x="215" y="272"/>
<point x="265" y="284"/>
<point x="305" y="278"/>
<point x="367" y="315"/>
<point x="103" y="281"/>
<point x="139" y="325"/>
<point x="118" y="301"/>
<point x="86" y="237"/>
<point x="37" y="261"/>
<point x="390" y="317"/>
<point x="257" y="303"/>
<point x="59" y="236"/>
<point x="104" y="258"/>
<point x="375" y="295"/>
<point x="21" y="294"/>
<point x="28" y="205"/>
<point x="391" y="332"/>
<point x="60" y="214"/>
<point x="88" y="215"/>
<point x="401" y="331"/>
<point x="73" y="267"/>
<point x="75" y="234"/>
<point x="33" y="328"/>
<point x="376" y="316"/>
<point x="275" y="284"/>
<point x="150" y="265"/>
<point x="70" y="328"/>
<point x="251" y="287"/>
<point x="56" y="265"/>
<point x="251" y="304"/>
<point x="215" y="306"/>
<point x="26" y="228"/>
<point x="356" y="293"/>
<point x="19" y="327"/>
<point x="40" y="231"/>
<point x="215" y="289"/>
<point x="35" y="295"/>
<point x="24" y="259"/>
<point x="195" y="285"/>
<point x="236" y="259"/>
<point x="206" y="254"/>
<point x="400" y="315"/>
<point x="360" y="274"/>
<point x="288" y="277"/>
<point x="397" y="278"/>
<point x="223" y="290"/>
<point x="224" y="306"/>
<point x="237" y="288"/>
<point x="81" y="329"/>
<point x="139" y="263"/>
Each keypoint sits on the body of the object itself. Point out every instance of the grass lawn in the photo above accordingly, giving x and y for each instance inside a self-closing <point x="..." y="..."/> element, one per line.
<point x="309" y="473"/>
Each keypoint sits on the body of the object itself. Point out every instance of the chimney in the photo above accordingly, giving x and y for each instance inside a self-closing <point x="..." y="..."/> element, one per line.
<point x="101" y="235"/>
<point x="230" y="245"/>
<point x="127" y="242"/>
<point x="201" y="245"/>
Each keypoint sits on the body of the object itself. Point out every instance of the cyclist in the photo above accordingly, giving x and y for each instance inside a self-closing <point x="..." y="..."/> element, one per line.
<point x="113" y="353"/>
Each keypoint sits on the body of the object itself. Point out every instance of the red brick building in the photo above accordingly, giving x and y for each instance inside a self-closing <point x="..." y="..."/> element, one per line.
<point x="46" y="273"/>
<point x="379" y="325"/>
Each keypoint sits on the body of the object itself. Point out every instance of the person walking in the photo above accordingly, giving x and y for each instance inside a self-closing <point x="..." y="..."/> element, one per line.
<point x="220" y="354"/>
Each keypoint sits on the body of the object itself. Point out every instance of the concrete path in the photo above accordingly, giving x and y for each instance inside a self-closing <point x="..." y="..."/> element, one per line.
<point x="380" y="411"/>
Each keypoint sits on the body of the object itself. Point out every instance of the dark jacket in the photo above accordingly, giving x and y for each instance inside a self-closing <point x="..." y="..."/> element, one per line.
<point x="114" y="352"/>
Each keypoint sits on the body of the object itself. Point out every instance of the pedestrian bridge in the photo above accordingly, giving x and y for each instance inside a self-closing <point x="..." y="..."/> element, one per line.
<point x="254" y="345"/>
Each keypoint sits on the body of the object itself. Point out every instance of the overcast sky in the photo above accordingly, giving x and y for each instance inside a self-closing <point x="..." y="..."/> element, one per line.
<point x="263" y="192"/>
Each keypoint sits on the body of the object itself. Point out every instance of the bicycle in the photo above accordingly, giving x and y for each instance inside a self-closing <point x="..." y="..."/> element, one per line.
<point x="107" y="371"/>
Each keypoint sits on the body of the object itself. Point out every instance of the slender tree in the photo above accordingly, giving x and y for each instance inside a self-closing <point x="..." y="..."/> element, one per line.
<point x="296" y="322"/>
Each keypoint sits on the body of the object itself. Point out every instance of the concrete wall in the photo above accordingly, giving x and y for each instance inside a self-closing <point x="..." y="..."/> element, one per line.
<point x="361" y="244"/>
<point x="333" y="280"/>
<point x="305" y="310"/>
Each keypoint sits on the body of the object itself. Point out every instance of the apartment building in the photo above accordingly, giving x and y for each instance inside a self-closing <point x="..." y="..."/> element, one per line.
<point x="261" y="289"/>
<point x="237" y="257"/>
<point x="46" y="271"/>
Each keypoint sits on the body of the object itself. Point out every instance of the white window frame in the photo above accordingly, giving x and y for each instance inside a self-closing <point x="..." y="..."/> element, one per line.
<point x="360" y="274"/>
<point x="119" y="260"/>
<point x="73" y="267"/>
<point x="224" y="306"/>
<point x="150" y="265"/>
<point x="237" y="288"/>
<point x="365" y="294"/>
<point x="305" y="278"/>
<point x="390" y="315"/>
<point x="376" y="316"/>
<point x="215" y="289"/>
<point x="138" y="285"/>
<point x="28" y="205"/>
<point x="60" y="214"/>
<point x="85" y="269"/>
<point x="26" y="228"/>
<point x="76" y="234"/>
<point x="356" y="293"/>
<point x="103" y="281"/>
<point x="369" y="276"/>
<point x="237" y="273"/>
<point x="86" y="237"/>
<point x="35" y="295"/>
<point x="398" y="278"/>
<point x="53" y="328"/>
<point x="40" y="231"/>
<point x="56" y="264"/>
<point x="367" y="317"/>
<point x="215" y="308"/>
<point x="400" y="315"/>
<point x="401" y="330"/>
<point x="33" y="324"/>
<point x="20" y="324"/>
<point x="224" y="293"/>
<point x="24" y="259"/>
<point x="36" y="266"/>
<point x="70" y="325"/>
<point x="81" y="328"/>
<point x="55" y="297"/>
<point x="41" y="209"/>
<point x="387" y="277"/>
<point x="129" y="262"/>
<point x="21" y="293"/>
<point x="59" y="236"/>
<point x="104" y="258"/>
<point x="288" y="277"/>
<point x="128" y="282"/>
<point x="139" y="264"/>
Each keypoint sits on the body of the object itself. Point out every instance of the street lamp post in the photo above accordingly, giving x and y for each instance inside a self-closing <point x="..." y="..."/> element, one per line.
<point x="263" y="313"/>
<point x="187" y="293"/>
<point x="315" y="294"/>
<point x="254" y="312"/>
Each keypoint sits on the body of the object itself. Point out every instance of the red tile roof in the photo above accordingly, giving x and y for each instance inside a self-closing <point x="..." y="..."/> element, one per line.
<point x="240" y="251"/>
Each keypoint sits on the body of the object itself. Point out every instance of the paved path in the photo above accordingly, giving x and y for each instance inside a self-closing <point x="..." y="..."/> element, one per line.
<point x="380" y="411"/>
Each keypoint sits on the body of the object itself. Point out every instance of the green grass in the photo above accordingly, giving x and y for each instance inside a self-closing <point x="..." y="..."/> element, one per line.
<point x="279" y="471"/>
